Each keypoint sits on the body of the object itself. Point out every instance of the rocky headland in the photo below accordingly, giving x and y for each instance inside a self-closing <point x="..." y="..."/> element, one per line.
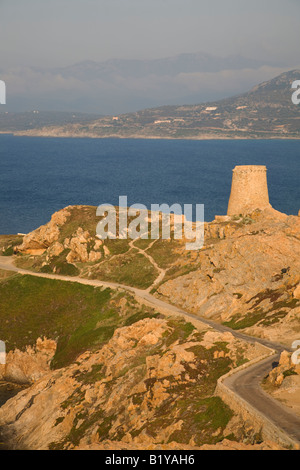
<point x="125" y="376"/>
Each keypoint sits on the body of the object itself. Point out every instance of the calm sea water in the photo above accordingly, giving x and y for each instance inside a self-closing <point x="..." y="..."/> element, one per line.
<point x="39" y="176"/>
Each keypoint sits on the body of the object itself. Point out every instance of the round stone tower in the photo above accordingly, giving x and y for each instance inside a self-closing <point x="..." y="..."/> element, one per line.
<point x="249" y="189"/>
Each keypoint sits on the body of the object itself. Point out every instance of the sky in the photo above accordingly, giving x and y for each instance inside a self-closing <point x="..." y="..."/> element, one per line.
<point x="58" y="33"/>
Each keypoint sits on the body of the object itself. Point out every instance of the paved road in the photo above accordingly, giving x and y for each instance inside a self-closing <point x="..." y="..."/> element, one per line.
<point x="245" y="384"/>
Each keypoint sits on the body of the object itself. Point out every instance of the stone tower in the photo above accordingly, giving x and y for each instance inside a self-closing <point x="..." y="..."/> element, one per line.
<point x="249" y="189"/>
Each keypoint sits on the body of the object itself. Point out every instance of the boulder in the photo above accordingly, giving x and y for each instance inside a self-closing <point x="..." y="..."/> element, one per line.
<point x="28" y="366"/>
<point x="296" y="293"/>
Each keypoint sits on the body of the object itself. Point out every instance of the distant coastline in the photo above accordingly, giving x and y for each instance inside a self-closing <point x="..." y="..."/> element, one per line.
<point x="149" y="137"/>
<point x="265" y="112"/>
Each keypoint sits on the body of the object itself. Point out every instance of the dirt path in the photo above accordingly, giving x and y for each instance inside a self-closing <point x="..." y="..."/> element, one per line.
<point x="245" y="384"/>
<point x="162" y="272"/>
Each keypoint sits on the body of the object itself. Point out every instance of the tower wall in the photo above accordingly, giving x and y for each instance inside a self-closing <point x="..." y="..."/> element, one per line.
<point x="249" y="190"/>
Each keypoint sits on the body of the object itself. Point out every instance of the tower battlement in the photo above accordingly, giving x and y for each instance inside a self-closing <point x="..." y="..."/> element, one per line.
<point x="249" y="190"/>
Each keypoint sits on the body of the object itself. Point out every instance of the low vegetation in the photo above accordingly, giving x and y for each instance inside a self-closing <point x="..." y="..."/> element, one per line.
<point x="187" y="399"/>
<point x="7" y="243"/>
<point x="132" y="269"/>
<point x="281" y="303"/>
<point x="165" y="252"/>
<point x="79" y="317"/>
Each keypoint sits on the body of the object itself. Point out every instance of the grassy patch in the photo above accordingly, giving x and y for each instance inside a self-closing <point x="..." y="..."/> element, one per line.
<point x="251" y="319"/>
<point x="6" y="274"/>
<point x="131" y="269"/>
<point x="180" y="330"/>
<point x="117" y="247"/>
<point x="84" y="217"/>
<point x="30" y="262"/>
<point x="141" y="315"/>
<point x="93" y="376"/>
<point x="264" y="317"/>
<point x="289" y="373"/>
<point x="59" y="265"/>
<point x="7" y="242"/>
<point x="164" y="252"/>
<point x="79" y="317"/>
<point x="143" y="244"/>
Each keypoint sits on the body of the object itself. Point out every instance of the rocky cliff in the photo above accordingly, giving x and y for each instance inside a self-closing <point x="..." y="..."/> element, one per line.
<point x="266" y="111"/>
<point x="151" y="385"/>
<point x="112" y="373"/>
<point x="246" y="275"/>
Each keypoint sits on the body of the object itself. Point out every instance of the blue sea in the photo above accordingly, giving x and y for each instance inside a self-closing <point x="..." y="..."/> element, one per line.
<point x="39" y="176"/>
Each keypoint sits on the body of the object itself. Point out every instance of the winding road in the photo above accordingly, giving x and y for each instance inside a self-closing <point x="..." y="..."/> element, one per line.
<point x="244" y="383"/>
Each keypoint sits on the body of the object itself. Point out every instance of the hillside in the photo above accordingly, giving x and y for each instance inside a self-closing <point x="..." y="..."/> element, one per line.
<point x="12" y="121"/>
<point x="123" y="85"/>
<point x="266" y="111"/>
<point x="119" y="372"/>
<point x="245" y="276"/>
<point x="107" y="371"/>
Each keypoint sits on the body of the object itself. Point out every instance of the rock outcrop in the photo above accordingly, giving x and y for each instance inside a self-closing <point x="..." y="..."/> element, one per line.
<point x="26" y="367"/>
<point x="51" y="241"/>
<point x="39" y="240"/>
<point x="150" y="385"/>
<point x="248" y="276"/>
<point x="146" y="387"/>
<point x="285" y="382"/>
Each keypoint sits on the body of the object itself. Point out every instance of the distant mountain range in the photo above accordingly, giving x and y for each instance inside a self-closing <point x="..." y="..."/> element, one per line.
<point x="117" y="86"/>
<point x="170" y="66"/>
<point x="266" y="111"/>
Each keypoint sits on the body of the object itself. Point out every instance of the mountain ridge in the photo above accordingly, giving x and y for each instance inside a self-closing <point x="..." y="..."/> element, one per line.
<point x="117" y="86"/>
<point x="266" y="111"/>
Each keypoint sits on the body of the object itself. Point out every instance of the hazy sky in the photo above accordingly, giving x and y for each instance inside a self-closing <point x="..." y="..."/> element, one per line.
<point x="62" y="32"/>
<point x="37" y="37"/>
